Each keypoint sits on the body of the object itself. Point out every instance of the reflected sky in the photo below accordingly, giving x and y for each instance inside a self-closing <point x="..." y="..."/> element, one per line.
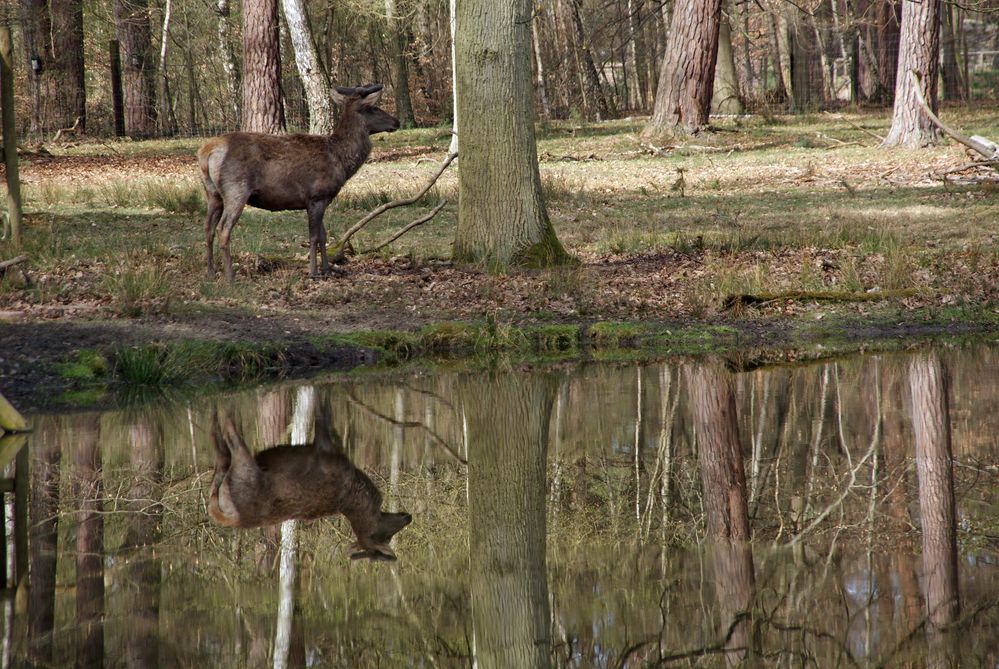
<point x="591" y="516"/>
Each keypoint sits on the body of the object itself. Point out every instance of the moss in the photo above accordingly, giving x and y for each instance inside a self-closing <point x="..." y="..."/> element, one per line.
<point x="616" y="335"/>
<point x="86" y="365"/>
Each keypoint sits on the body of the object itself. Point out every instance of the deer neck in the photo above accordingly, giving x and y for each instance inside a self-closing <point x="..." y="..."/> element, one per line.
<point x="350" y="141"/>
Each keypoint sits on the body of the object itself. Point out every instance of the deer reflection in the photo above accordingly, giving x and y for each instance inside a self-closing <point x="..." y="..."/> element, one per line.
<point x="298" y="482"/>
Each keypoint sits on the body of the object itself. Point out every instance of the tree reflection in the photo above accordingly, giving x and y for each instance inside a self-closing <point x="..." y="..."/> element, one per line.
<point x="89" y="542"/>
<point x="43" y="511"/>
<point x="142" y="574"/>
<point x="934" y="469"/>
<point x="508" y="418"/>
<point x="723" y="482"/>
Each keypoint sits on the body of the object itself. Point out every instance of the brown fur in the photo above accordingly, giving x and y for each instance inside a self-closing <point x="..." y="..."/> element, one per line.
<point x="298" y="482"/>
<point x="287" y="172"/>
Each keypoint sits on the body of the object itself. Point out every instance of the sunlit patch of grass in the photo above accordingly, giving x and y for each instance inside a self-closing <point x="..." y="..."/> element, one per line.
<point x="176" y="198"/>
<point x="138" y="290"/>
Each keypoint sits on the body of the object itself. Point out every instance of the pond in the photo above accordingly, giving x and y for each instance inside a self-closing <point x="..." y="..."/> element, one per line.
<point x="675" y="513"/>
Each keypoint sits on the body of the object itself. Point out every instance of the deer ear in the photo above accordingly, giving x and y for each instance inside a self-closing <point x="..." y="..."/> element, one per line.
<point x="338" y="97"/>
<point x="372" y="98"/>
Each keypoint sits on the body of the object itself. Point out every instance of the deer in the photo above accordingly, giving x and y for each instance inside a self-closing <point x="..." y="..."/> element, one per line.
<point x="288" y="172"/>
<point x="298" y="482"/>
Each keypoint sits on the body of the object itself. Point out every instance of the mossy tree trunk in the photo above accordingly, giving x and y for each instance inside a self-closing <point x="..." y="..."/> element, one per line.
<point x="508" y="448"/>
<point x="502" y="220"/>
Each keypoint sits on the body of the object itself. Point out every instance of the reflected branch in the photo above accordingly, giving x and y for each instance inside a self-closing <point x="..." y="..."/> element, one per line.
<point x="352" y="398"/>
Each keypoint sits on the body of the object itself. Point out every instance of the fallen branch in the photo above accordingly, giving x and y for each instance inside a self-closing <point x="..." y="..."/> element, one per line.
<point x="816" y="295"/>
<point x="7" y="264"/>
<point x="857" y="126"/>
<point x="420" y="221"/>
<point x="72" y="130"/>
<point x="979" y="145"/>
<point x="338" y="254"/>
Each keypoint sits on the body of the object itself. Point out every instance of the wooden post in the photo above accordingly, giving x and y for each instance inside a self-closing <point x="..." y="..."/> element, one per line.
<point x="10" y="135"/>
<point x="21" y="492"/>
<point x="117" y="100"/>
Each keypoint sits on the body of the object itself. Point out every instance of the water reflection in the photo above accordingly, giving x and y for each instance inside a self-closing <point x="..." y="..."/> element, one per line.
<point x="298" y="482"/>
<point x="609" y="515"/>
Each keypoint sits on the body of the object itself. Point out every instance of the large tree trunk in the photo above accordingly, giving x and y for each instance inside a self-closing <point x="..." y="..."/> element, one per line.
<point x="683" y="99"/>
<point x="919" y="53"/>
<point x="70" y="90"/>
<point x="725" y="98"/>
<point x="36" y="32"/>
<point x="502" y="220"/>
<point x="262" y="108"/>
<point x="398" y="42"/>
<point x="131" y="19"/>
<point x="317" y="87"/>
<point x="935" y="471"/>
<point x="723" y="484"/>
<point x="507" y="462"/>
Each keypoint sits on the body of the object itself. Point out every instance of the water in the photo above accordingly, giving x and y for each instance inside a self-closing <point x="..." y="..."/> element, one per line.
<point x="669" y="514"/>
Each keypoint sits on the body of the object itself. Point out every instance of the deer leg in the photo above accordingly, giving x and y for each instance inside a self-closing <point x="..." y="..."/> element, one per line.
<point x="215" y="209"/>
<point x="233" y="208"/>
<point x="317" y="237"/>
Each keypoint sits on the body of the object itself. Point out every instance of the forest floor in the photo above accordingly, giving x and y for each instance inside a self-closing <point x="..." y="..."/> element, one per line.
<point x="766" y="228"/>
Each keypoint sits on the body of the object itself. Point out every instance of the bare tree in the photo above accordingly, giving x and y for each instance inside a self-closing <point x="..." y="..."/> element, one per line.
<point x="317" y="86"/>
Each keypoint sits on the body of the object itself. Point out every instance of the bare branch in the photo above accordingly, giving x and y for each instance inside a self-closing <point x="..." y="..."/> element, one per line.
<point x="392" y="205"/>
<point x="971" y="142"/>
<point x="420" y="221"/>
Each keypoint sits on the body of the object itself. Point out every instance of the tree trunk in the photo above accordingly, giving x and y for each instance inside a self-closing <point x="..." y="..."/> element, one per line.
<point x="919" y="53"/>
<point x="777" y="59"/>
<point x="131" y="19"/>
<point x="725" y="98"/>
<point x="317" y="87"/>
<point x="592" y="78"/>
<point x="167" y="122"/>
<point x="502" y="220"/>
<point x="934" y="470"/>
<point x="546" y="111"/>
<point x="452" y="11"/>
<point x="507" y="463"/>
<point x="36" y="32"/>
<point x="398" y="42"/>
<point x="636" y="56"/>
<point x="723" y="484"/>
<point x="888" y="22"/>
<point x="229" y="64"/>
<point x="70" y="89"/>
<point x="951" y="71"/>
<point x="683" y="99"/>
<point x="262" y="108"/>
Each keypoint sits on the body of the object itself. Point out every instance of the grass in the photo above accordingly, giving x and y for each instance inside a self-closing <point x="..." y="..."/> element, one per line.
<point x="766" y="206"/>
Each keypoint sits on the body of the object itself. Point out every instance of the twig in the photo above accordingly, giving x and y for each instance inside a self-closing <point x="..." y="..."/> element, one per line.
<point x="420" y="221"/>
<point x="338" y="249"/>
<point x="971" y="143"/>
